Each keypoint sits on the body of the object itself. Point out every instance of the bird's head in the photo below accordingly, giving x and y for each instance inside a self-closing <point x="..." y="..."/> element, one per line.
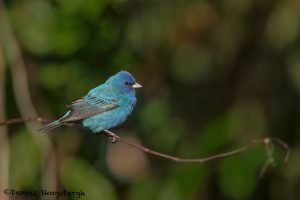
<point x="124" y="82"/>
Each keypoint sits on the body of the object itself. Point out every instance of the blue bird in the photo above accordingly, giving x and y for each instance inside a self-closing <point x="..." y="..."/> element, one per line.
<point x="104" y="107"/>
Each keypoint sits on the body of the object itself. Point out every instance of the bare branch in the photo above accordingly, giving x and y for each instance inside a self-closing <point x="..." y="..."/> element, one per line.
<point x="267" y="142"/>
<point x="21" y="120"/>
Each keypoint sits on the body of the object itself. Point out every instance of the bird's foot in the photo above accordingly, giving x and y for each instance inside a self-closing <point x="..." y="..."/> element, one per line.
<point x="113" y="137"/>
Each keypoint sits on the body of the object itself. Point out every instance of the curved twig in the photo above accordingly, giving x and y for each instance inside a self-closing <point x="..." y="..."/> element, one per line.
<point x="268" y="142"/>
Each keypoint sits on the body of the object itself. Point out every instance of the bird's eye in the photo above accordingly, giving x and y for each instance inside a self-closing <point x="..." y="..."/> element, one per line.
<point x="127" y="83"/>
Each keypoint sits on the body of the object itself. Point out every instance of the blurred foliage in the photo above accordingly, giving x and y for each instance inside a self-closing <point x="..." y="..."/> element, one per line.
<point x="91" y="182"/>
<point x="25" y="160"/>
<point x="216" y="75"/>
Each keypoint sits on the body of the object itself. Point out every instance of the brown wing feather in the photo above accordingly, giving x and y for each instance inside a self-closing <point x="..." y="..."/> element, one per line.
<point x="82" y="109"/>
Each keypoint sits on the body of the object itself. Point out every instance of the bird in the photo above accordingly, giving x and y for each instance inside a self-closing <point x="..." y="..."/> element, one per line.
<point x="103" y="107"/>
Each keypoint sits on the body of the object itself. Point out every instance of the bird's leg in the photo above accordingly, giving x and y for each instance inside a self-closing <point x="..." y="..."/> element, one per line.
<point x="113" y="137"/>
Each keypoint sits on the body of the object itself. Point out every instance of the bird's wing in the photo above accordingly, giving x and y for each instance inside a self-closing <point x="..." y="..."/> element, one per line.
<point x="89" y="106"/>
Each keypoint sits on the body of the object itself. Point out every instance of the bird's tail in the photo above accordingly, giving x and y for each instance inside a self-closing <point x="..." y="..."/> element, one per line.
<point x="50" y="126"/>
<point x="55" y="123"/>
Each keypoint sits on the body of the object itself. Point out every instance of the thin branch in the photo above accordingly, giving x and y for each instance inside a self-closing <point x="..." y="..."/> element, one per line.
<point x="267" y="142"/>
<point x="21" y="120"/>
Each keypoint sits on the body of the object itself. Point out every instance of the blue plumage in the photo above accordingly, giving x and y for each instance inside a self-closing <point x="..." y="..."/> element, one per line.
<point x="104" y="107"/>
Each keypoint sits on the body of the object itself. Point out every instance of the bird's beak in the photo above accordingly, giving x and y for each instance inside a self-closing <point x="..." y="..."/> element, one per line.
<point x="136" y="85"/>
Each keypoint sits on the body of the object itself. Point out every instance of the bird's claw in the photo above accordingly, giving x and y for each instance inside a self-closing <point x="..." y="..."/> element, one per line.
<point x="113" y="137"/>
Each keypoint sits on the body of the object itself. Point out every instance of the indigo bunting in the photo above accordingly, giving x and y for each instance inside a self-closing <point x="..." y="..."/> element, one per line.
<point x="104" y="107"/>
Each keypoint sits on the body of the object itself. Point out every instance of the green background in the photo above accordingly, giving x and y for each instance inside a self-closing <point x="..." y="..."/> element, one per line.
<point x="215" y="74"/>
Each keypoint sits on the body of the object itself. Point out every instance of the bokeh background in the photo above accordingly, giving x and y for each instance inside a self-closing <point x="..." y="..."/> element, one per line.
<point x="216" y="75"/>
